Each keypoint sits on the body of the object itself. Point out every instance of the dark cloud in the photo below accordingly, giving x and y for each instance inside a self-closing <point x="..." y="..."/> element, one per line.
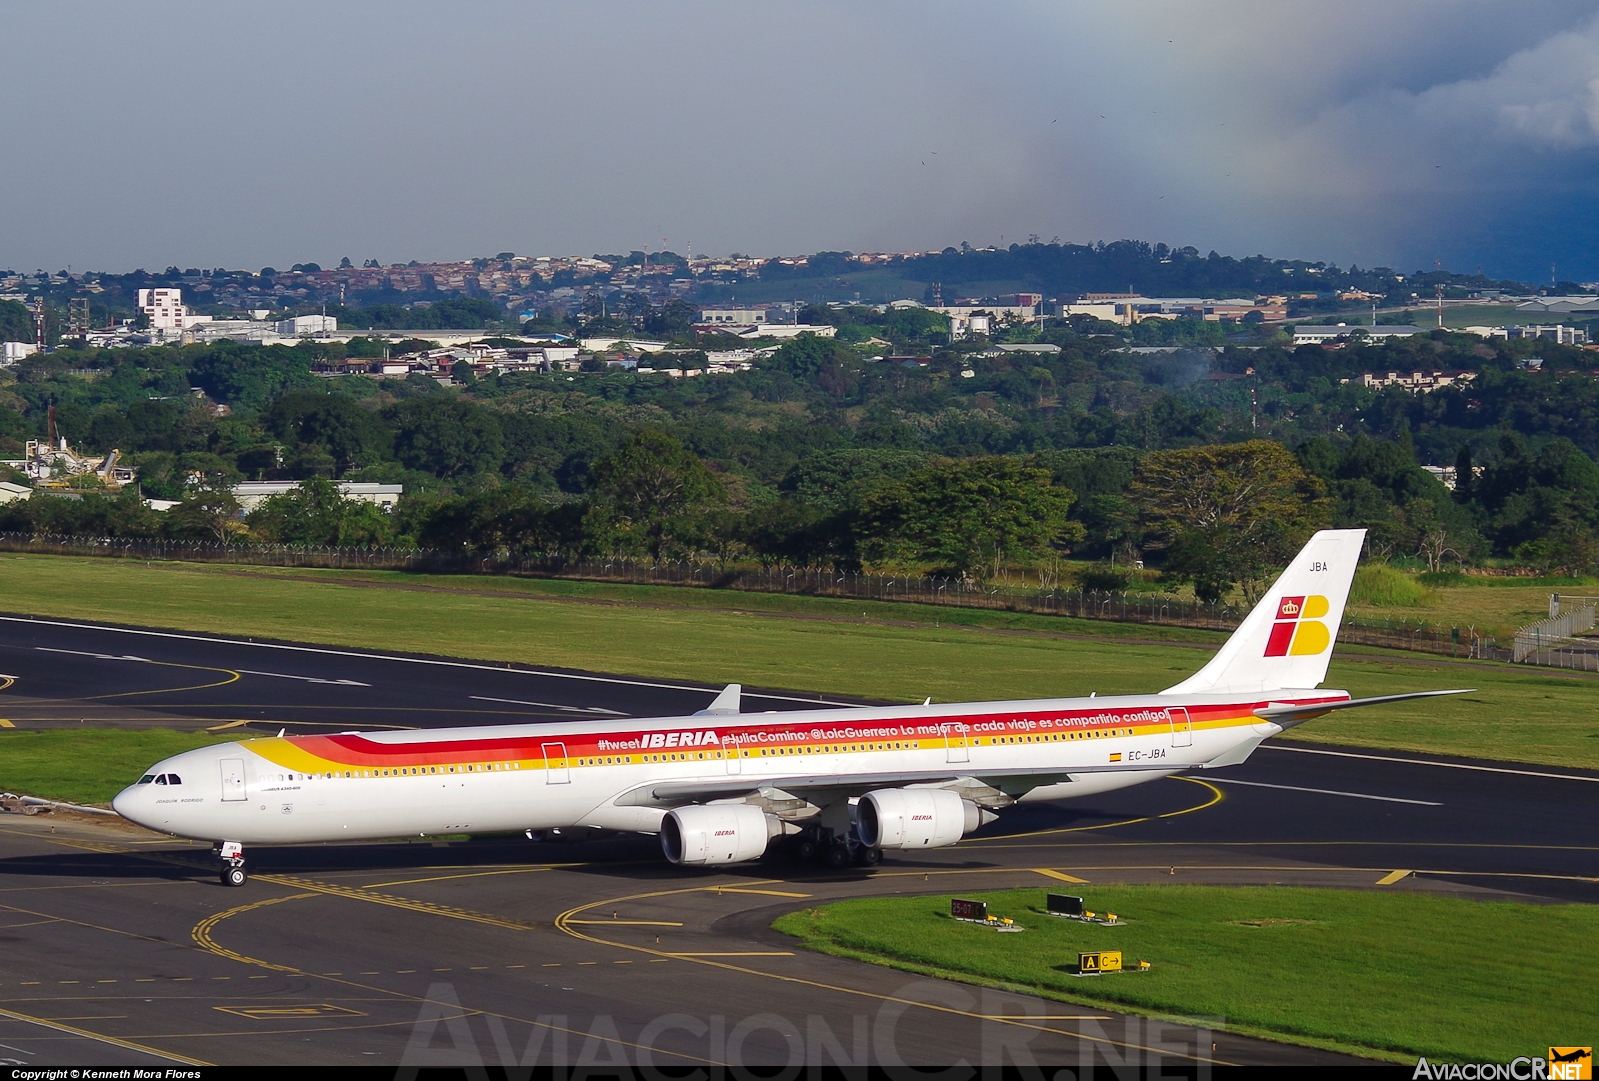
<point x="1363" y="131"/>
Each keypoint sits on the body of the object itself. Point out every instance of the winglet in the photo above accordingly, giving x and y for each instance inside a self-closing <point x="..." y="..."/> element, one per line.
<point x="725" y="703"/>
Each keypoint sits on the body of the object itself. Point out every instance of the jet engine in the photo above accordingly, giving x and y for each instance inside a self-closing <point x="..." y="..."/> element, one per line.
<point x="717" y="833"/>
<point x="916" y="818"/>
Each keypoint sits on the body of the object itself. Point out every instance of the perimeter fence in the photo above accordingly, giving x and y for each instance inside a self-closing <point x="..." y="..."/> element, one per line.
<point x="1119" y="607"/>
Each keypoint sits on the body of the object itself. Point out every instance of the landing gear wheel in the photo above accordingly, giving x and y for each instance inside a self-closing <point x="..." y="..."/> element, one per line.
<point x="806" y="849"/>
<point x="234" y="875"/>
<point x="838" y="857"/>
<point x="869" y="857"/>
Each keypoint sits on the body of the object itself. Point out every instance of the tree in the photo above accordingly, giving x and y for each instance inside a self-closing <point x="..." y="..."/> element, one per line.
<point x="1228" y="515"/>
<point x="317" y="513"/>
<point x="965" y="515"/>
<point x="446" y="436"/>
<point x="209" y="512"/>
<point x="650" y="491"/>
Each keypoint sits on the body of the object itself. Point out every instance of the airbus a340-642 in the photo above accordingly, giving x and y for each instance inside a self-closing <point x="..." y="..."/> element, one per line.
<point x="719" y="786"/>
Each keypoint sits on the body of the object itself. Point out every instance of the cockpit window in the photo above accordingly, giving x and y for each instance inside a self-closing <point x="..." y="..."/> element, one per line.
<point x="147" y="778"/>
<point x="173" y="778"/>
<point x="161" y="779"/>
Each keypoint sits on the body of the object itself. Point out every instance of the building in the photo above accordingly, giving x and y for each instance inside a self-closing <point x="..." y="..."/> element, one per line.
<point x="10" y="493"/>
<point x="1582" y="306"/>
<point x="300" y="326"/>
<point x="736" y="317"/>
<point x="1130" y="308"/>
<point x="166" y="312"/>
<point x="788" y="330"/>
<point x="11" y="352"/>
<point x="1415" y="382"/>
<point x="252" y="493"/>
<point x="1320" y="335"/>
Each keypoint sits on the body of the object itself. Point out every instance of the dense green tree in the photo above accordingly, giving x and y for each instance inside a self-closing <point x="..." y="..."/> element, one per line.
<point x="975" y="515"/>
<point x="446" y="436"/>
<point x="650" y="492"/>
<point x="317" y="513"/>
<point x="1228" y="515"/>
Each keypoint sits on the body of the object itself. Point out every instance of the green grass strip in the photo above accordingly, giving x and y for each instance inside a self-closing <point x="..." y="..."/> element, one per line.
<point x="1389" y="974"/>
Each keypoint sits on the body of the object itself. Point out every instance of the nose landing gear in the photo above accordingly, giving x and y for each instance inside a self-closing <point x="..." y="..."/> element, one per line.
<point x="232" y="872"/>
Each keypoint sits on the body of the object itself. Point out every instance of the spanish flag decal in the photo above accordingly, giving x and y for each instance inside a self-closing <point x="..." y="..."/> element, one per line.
<point x="1298" y="631"/>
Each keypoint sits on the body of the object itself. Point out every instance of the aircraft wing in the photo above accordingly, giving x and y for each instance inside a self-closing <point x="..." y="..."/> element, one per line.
<point x="828" y="787"/>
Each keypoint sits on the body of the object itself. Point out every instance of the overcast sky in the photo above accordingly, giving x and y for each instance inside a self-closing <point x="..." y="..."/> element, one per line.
<point x="224" y="134"/>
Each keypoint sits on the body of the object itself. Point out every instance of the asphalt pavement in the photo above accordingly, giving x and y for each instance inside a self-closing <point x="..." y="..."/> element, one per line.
<point x="118" y="946"/>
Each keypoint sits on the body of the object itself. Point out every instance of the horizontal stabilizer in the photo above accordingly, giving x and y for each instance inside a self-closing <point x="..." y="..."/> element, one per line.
<point x="1287" y="714"/>
<point x="725" y="704"/>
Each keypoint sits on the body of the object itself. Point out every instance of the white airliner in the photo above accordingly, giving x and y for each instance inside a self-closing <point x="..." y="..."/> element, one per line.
<point x="719" y="786"/>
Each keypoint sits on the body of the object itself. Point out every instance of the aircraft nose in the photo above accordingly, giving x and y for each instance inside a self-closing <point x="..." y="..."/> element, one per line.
<point x="126" y="802"/>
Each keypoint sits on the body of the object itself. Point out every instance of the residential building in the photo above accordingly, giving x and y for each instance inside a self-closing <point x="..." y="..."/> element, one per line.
<point x="166" y="311"/>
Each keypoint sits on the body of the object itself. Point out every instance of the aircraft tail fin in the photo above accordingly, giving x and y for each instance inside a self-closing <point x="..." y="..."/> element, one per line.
<point x="1287" y="640"/>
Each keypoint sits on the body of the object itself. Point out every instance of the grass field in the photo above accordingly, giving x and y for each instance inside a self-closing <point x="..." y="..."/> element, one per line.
<point x="88" y="766"/>
<point x="1394" y="975"/>
<point x="895" y="652"/>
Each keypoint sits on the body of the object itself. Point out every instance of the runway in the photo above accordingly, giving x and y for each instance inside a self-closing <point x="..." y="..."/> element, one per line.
<point x="120" y="948"/>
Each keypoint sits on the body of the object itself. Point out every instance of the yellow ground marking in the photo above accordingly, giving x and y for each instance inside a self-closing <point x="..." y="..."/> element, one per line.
<point x="229" y="724"/>
<point x="1216" y="796"/>
<point x="101" y="1038"/>
<point x="446" y="878"/>
<point x="1046" y="1017"/>
<point x="3" y="722"/>
<point x="9" y="680"/>
<point x="633" y="923"/>
<point x="733" y="953"/>
<point x="202" y="930"/>
<point x="564" y="922"/>
<point x="273" y="1013"/>
<point x="1059" y="876"/>
<point x="763" y="893"/>
<point x="395" y="902"/>
<point x="233" y="677"/>
<point x="1391" y="877"/>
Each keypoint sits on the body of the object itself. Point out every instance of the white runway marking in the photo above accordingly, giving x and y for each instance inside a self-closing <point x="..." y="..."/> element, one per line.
<point x="385" y="657"/>
<point x="307" y="679"/>
<point x="548" y="705"/>
<point x="96" y="656"/>
<point x="1444" y="765"/>
<point x="1326" y="792"/>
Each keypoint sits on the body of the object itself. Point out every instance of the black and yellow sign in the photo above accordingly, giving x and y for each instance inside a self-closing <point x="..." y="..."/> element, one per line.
<point x="1101" y="961"/>
<point x="1570" y="1064"/>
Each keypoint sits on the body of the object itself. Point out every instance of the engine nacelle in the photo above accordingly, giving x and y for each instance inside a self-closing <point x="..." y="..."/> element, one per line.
<point x="717" y="833"/>
<point x="915" y="818"/>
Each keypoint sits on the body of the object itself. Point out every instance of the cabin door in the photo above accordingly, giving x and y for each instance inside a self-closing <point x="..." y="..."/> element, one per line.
<point x="555" y="770"/>
<point x="1182" y="732"/>
<point x="233" y="779"/>
<point x="955" y="743"/>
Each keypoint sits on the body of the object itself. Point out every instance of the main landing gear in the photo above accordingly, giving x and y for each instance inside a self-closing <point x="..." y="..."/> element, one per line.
<point x="821" y="844"/>
<point x="232" y="872"/>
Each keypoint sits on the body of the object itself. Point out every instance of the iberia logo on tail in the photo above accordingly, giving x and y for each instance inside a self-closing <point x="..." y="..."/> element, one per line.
<point x="1298" y="631"/>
